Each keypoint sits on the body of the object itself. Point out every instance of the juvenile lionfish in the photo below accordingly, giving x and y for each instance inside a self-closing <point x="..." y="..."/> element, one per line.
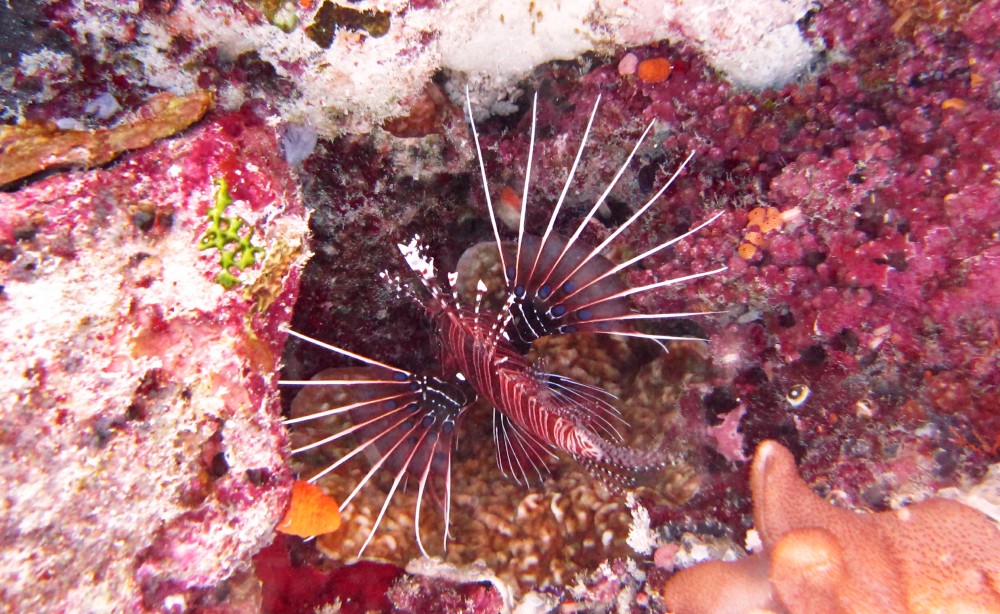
<point x="554" y="285"/>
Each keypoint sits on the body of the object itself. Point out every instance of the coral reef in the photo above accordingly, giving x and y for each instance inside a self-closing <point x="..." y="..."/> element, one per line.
<point x="932" y="556"/>
<point x="860" y="331"/>
<point x="851" y="334"/>
<point x="141" y="439"/>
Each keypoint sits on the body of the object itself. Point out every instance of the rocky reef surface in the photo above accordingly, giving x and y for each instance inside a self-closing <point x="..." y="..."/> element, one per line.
<point x="852" y="148"/>
<point x="142" y="443"/>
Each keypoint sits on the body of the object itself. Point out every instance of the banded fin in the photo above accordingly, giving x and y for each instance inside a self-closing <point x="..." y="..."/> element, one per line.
<point x="538" y="308"/>
<point x="589" y="406"/>
<point x="520" y="455"/>
<point x="407" y="423"/>
<point x="560" y="285"/>
<point x="620" y="467"/>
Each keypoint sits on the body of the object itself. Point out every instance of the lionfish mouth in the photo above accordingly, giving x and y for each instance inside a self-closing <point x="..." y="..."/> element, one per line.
<point x="554" y="285"/>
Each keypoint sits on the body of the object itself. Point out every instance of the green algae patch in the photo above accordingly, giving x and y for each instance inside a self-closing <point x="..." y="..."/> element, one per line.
<point x="235" y="249"/>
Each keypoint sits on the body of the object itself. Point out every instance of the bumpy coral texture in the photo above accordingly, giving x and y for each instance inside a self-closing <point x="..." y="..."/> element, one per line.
<point x="141" y="443"/>
<point x="347" y="68"/>
<point x="933" y="556"/>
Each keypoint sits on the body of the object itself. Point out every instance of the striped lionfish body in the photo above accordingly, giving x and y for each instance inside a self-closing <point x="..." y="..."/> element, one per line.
<point x="554" y="285"/>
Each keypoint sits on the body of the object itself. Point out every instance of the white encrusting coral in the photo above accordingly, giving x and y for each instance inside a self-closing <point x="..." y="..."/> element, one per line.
<point x="361" y="80"/>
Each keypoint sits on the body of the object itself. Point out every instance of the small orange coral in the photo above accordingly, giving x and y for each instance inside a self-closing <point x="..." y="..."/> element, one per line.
<point x="311" y="512"/>
<point x="654" y="70"/>
<point x="953" y="104"/>
<point x="509" y="210"/>
<point x="934" y="556"/>
<point x="912" y="16"/>
<point x="765" y="218"/>
<point x="747" y="251"/>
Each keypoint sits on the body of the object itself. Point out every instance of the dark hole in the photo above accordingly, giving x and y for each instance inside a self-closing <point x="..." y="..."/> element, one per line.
<point x="814" y="355"/>
<point x="219" y="465"/>
<point x="897" y="260"/>
<point x="845" y="341"/>
<point x="143" y="219"/>
<point x="259" y="476"/>
<point x="786" y="319"/>
<point x="719" y="401"/>
<point x="813" y="259"/>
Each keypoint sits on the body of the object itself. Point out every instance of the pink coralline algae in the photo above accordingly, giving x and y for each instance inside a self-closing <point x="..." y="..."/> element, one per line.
<point x="140" y="434"/>
<point x="879" y="292"/>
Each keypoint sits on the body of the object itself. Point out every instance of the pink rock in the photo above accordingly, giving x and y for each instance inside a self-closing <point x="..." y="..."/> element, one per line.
<point x="628" y="64"/>
<point x="143" y="446"/>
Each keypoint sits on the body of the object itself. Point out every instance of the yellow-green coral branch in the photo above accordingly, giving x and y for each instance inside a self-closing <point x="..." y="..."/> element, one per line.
<point x="225" y="231"/>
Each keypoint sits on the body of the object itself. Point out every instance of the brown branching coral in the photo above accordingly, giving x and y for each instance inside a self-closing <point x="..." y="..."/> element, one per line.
<point x="934" y="556"/>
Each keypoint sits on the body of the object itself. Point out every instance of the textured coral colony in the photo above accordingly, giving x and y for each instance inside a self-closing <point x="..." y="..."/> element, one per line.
<point x="182" y="183"/>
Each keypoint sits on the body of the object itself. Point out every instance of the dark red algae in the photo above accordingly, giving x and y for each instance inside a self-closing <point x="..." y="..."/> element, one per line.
<point x="293" y="584"/>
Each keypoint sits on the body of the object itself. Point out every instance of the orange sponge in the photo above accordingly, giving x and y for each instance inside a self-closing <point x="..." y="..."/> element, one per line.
<point x="310" y="512"/>
<point x="934" y="556"/>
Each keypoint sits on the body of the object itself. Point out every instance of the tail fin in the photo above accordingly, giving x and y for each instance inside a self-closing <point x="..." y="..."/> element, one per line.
<point x="620" y="467"/>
